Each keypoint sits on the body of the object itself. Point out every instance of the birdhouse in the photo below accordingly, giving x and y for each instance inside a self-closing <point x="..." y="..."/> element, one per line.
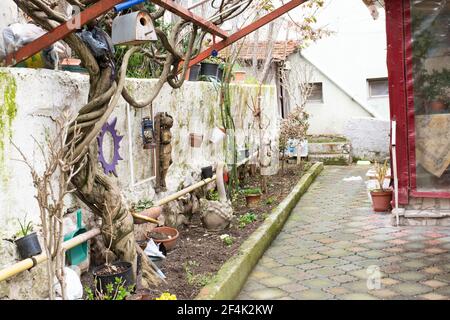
<point x="133" y="29"/>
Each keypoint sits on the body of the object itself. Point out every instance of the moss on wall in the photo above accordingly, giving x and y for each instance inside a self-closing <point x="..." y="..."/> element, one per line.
<point x="8" y="111"/>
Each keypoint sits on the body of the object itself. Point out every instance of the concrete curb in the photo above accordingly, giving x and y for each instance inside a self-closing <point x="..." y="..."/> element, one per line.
<point x="232" y="276"/>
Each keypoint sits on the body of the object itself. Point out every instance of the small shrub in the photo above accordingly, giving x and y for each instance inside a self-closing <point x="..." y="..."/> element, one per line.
<point x="25" y="228"/>
<point x="247" y="219"/>
<point x="250" y="191"/>
<point x="118" y="291"/>
<point x="142" y="205"/>
<point x="270" y="200"/>
<point x="213" y="195"/>
<point x="228" y="240"/>
<point x="198" y="280"/>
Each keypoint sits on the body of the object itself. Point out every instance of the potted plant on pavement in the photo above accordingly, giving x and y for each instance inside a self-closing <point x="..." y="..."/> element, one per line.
<point x="435" y="90"/>
<point x="252" y="196"/>
<point x="381" y="198"/>
<point x="28" y="243"/>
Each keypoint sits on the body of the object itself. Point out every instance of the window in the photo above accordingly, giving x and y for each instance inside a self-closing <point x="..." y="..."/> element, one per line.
<point x="316" y="93"/>
<point x="378" y="87"/>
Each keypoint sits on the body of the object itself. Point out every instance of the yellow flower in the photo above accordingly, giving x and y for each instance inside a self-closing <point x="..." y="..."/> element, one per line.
<point x="167" y="296"/>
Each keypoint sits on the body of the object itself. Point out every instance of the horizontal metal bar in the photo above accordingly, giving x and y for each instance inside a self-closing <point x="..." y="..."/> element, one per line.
<point x="189" y="16"/>
<point x="246" y="30"/>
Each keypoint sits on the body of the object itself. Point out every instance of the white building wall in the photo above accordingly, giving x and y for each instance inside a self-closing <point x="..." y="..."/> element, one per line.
<point x="8" y="13"/>
<point x="355" y="52"/>
<point x="331" y="115"/>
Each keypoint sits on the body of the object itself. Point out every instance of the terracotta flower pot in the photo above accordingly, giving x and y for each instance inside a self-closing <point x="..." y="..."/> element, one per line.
<point x="253" y="200"/>
<point x="437" y="106"/>
<point x="381" y="200"/>
<point x="169" y="244"/>
<point x="153" y="213"/>
<point x="239" y="76"/>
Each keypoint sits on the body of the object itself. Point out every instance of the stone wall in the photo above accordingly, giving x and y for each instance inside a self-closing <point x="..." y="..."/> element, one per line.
<point x="369" y="138"/>
<point x="29" y="99"/>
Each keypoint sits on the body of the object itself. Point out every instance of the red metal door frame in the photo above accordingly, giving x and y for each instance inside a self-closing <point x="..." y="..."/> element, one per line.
<point x="397" y="91"/>
<point x="411" y="109"/>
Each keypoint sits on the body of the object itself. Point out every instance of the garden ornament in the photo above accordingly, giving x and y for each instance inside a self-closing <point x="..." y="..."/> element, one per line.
<point x="111" y="128"/>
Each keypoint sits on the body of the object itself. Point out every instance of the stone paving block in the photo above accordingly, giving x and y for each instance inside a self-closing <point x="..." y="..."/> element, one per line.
<point x="385" y="282"/>
<point x="433" y="270"/>
<point x="433" y="296"/>
<point x="415" y="264"/>
<point x="267" y="294"/>
<point x="312" y="294"/>
<point x="434" y="283"/>
<point x="443" y="277"/>
<point x="357" y="296"/>
<point x="373" y="254"/>
<point x="410" y="289"/>
<point x="343" y="278"/>
<point x="319" y="283"/>
<point x="384" y="293"/>
<point x="326" y="272"/>
<point x="293" y="287"/>
<point x="410" y="276"/>
<point x="336" y="291"/>
<point x="330" y="262"/>
<point x="276" y="281"/>
<point x="348" y="267"/>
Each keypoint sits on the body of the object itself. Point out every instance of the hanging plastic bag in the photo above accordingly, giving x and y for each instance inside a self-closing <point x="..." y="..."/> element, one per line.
<point x="16" y="35"/>
<point x="97" y="41"/>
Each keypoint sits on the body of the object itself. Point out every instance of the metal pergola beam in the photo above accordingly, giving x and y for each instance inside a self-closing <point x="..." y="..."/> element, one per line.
<point x="61" y="31"/>
<point x="246" y="30"/>
<point x="189" y="16"/>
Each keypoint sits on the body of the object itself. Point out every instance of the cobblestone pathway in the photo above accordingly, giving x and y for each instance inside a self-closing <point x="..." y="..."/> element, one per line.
<point x="333" y="246"/>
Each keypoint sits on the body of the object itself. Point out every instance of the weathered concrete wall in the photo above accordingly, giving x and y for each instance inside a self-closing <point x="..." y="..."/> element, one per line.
<point x="369" y="138"/>
<point x="30" y="98"/>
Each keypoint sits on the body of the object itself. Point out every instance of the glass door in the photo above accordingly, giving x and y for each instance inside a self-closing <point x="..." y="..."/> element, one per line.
<point x="428" y="91"/>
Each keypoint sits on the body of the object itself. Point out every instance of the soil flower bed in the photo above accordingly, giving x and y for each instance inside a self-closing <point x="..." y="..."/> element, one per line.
<point x="199" y="254"/>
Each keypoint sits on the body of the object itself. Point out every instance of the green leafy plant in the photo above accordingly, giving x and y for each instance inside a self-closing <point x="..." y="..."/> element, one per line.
<point x="247" y="219"/>
<point x="436" y="85"/>
<point x="251" y="191"/>
<point x="198" y="280"/>
<point x="270" y="200"/>
<point x="213" y="195"/>
<point x="26" y="227"/>
<point x="142" y="205"/>
<point x="116" y="291"/>
<point x="228" y="240"/>
<point x="381" y="172"/>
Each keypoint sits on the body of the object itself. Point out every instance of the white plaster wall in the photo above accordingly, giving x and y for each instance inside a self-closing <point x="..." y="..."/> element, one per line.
<point x="40" y="94"/>
<point x="8" y="13"/>
<point x="369" y="137"/>
<point x="331" y="115"/>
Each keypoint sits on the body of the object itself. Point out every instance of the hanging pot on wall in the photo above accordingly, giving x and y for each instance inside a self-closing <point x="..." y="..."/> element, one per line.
<point x="28" y="246"/>
<point x="195" y="140"/>
<point x="194" y="72"/>
<point x="207" y="172"/>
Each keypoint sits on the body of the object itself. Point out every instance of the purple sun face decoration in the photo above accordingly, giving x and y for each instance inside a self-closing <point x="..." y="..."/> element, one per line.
<point x="111" y="128"/>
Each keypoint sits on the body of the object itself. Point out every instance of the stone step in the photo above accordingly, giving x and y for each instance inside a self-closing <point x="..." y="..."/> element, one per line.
<point x="329" y="148"/>
<point x="331" y="159"/>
